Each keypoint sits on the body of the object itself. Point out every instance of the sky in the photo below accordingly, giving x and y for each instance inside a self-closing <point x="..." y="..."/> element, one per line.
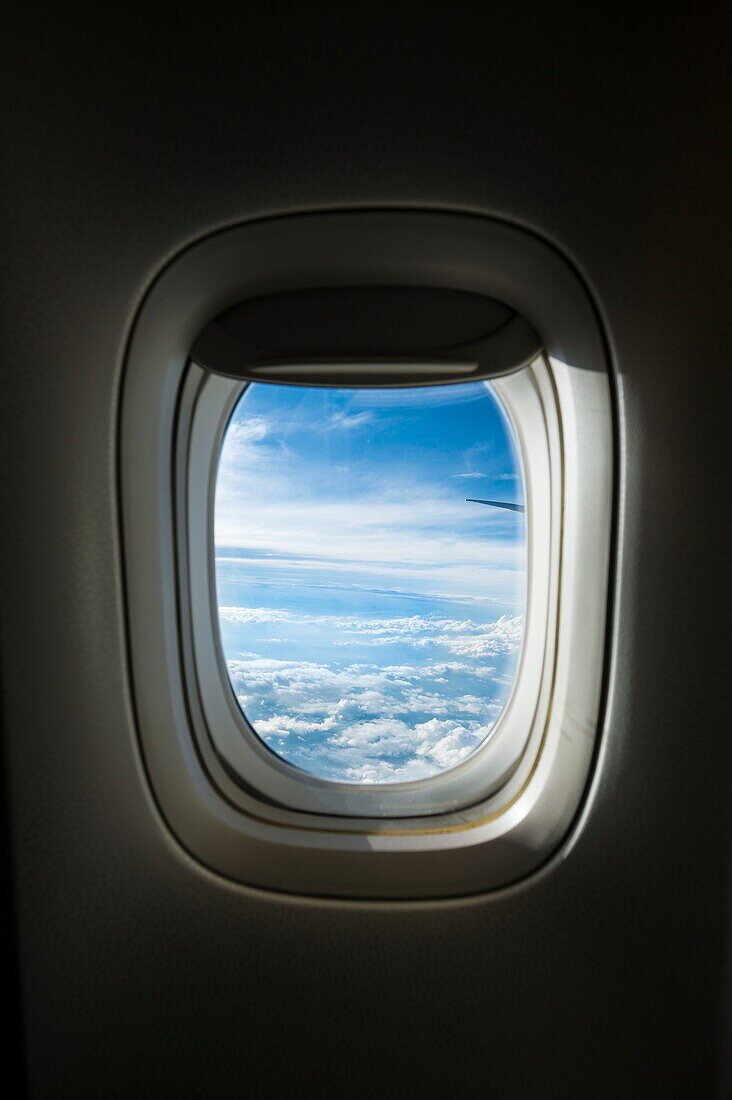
<point x="371" y="618"/>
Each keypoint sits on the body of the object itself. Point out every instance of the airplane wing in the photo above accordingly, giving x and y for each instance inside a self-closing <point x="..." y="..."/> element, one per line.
<point x="497" y="504"/>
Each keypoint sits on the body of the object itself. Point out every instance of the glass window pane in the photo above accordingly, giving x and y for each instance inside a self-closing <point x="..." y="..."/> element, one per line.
<point x="371" y="615"/>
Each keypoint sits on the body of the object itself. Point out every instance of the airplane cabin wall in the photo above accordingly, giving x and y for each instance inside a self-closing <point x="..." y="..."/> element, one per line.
<point x="132" y="133"/>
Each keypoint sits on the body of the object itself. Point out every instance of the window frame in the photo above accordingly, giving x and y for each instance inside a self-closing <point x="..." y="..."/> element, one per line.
<point x="234" y="831"/>
<point x="528" y="399"/>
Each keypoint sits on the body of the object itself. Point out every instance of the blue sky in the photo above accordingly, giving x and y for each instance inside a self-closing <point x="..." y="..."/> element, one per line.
<point x="371" y="619"/>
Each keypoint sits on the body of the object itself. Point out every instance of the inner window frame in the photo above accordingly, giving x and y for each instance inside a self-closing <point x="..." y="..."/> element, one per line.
<point x="227" y="740"/>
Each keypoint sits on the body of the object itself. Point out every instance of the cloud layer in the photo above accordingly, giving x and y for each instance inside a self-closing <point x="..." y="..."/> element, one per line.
<point x="366" y="722"/>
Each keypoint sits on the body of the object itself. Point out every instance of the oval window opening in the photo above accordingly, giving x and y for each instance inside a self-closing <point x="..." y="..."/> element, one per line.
<point x="370" y="552"/>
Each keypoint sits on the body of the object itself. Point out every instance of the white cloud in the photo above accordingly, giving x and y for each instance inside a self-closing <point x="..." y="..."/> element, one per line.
<point x="383" y="771"/>
<point x="242" y="447"/>
<point x="258" y="615"/>
<point x="398" y="625"/>
<point x="463" y="637"/>
<point x="502" y="636"/>
<point x="495" y="477"/>
<point x="362" y="722"/>
<point x="455" y="744"/>
<point x="350" y="420"/>
<point x="250" y="430"/>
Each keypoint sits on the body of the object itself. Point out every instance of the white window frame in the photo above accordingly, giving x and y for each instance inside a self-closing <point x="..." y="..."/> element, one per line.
<point x="219" y="816"/>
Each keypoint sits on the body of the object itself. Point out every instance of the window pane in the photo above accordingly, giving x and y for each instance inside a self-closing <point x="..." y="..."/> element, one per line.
<point x="371" y="616"/>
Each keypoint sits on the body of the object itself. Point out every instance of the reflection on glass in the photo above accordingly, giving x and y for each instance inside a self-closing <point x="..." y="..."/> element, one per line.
<point x="371" y="616"/>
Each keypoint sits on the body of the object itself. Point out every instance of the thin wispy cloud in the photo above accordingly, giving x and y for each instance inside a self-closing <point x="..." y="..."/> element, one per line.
<point x="349" y="421"/>
<point x="402" y="535"/>
<point x="494" y="477"/>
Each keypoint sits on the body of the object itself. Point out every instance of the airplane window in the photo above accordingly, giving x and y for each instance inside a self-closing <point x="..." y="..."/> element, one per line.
<point x="378" y="614"/>
<point x="371" y="574"/>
